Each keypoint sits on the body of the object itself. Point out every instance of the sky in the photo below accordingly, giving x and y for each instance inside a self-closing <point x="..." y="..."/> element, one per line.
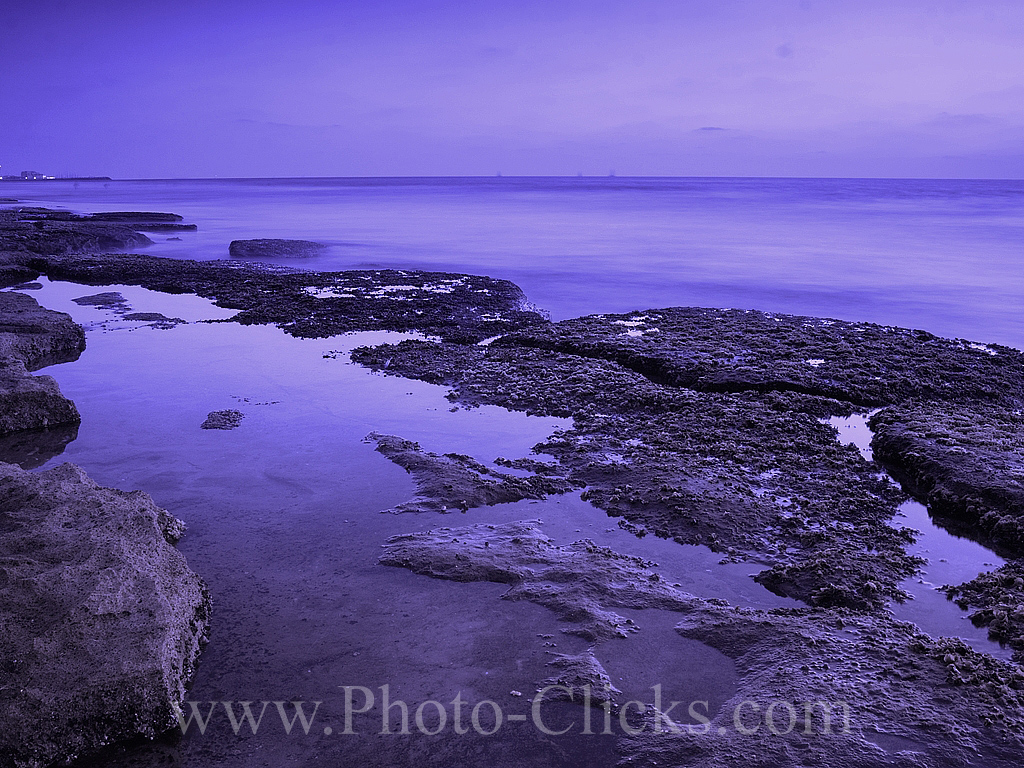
<point x="855" y="88"/>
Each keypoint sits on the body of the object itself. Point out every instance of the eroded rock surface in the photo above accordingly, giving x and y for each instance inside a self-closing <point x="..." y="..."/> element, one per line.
<point x="582" y="582"/>
<point x="43" y="231"/>
<point x="31" y="402"/>
<point x="867" y="691"/>
<point x="36" y="336"/>
<point x="229" y="419"/>
<point x="579" y="674"/>
<point x="965" y="461"/>
<point x="462" y="308"/>
<point x="996" y="600"/>
<point x="748" y="474"/>
<point x="101" y="620"/>
<point x="455" y="481"/>
<point x="733" y="350"/>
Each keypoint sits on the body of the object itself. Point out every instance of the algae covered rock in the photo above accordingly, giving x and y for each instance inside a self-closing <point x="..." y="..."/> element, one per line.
<point x="966" y="462"/>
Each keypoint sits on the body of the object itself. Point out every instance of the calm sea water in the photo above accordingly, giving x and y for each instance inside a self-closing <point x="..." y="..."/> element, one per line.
<point x="283" y="513"/>
<point x="945" y="256"/>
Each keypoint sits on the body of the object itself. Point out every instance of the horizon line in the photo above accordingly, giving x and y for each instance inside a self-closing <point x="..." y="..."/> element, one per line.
<point x="514" y="176"/>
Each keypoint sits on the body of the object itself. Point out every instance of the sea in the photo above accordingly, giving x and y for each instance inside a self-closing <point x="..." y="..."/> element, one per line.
<point x="284" y="514"/>
<point x="945" y="256"/>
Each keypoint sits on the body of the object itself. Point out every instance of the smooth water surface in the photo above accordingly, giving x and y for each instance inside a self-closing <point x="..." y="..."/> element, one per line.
<point x="949" y="560"/>
<point x="285" y="525"/>
<point x="945" y="256"/>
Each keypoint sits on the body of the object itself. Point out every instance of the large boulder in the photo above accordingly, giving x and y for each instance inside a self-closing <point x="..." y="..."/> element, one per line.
<point x="101" y="620"/>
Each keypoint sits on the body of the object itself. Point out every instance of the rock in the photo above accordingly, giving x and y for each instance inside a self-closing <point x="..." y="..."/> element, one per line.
<point x="30" y="338"/>
<point x="581" y="582"/>
<point x="228" y="419"/>
<point x="459" y="308"/>
<point x="733" y="350"/>
<point x="866" y="690"/>
<point x="576" y="672"/>
<point x="753" y="475"/>
<point x="37" y="337"/>
<point x="997" y="600"/>
<point x="112" y="300"/>
<point x="457" y="482"/>
<point x="116" y="303"/>
<point x="44" y="232"/>
<point x="965" y="461"/>
<point x="155" y="319"/>
<point x="15" y="274"/>
<point x="143" y="221"/>
<point x="101" y="620"/>
<point x="275" y="249"/>
<point x="145" y="217"/>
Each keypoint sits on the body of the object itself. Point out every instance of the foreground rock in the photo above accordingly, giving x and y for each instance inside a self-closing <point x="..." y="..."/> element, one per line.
<point x="581" y="582"/>
<point x="101" y="620"/>
<point x="257" y="250"/>
<point x="867" y="691"/>
<point x="996" y="601"/>
<point x="37" y="337"/>
<point x="457" y="482"/>
<point x="31" y="402"/>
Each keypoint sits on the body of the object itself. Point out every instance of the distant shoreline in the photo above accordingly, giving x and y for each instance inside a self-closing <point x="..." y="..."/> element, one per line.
<point x="62" y="178"/>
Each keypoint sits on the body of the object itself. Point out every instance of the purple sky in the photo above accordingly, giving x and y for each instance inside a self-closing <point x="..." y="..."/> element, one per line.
<point x="378" y="87"/>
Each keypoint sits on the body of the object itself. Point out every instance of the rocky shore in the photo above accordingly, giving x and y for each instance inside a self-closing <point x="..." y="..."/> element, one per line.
<point x="702" y="426"/>
<point x="30" y="338"/>
<point x="101" y="620"/>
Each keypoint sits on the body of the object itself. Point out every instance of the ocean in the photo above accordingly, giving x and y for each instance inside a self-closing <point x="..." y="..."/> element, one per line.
<point x="941" y="255"/>
<point x="284" y="513"/>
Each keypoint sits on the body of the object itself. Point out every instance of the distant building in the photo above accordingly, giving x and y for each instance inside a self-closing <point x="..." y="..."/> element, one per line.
<point x="34" y="176"/>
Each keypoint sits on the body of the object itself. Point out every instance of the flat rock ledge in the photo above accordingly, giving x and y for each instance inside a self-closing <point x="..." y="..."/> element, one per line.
<point x="101" y="619"/>
<point x="82" y="249"/>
